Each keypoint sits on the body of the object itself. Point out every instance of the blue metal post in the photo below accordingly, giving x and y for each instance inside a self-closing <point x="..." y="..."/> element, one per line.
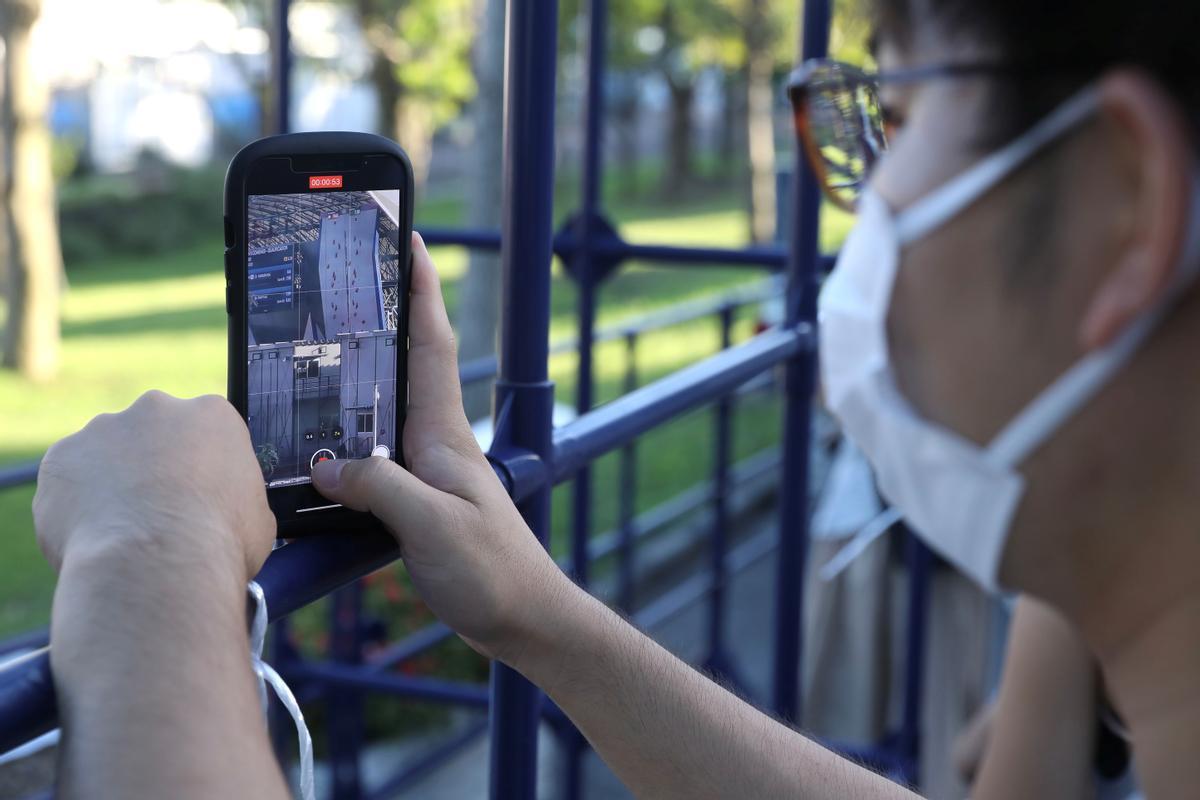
<point x="281" y="78"/>
<point x="587" y="278"/>
<point x="279" y="722"/>
<point x="584" y="269"/>
<point x="798" y="392"/>
<point x="523" y="390"/>
<point x="345" y="705"/>
<point x="281" y="66"/>
<point x="919" y="560"/>
<point x="627" y="499"/>
<point x="718" y="661"/>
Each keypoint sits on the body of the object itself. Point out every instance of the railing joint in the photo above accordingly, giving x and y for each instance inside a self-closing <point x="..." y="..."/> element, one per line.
<point x="521" y="471"/>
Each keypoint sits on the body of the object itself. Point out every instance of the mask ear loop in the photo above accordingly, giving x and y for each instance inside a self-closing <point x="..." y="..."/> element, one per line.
<point x="859" y="544"/>
<point x="267" y="675"/>
<point x="1029" y="429"/>
<point x="948" y="200"/>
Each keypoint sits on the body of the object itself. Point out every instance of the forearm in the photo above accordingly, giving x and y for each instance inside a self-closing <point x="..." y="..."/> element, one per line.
<point x="156" y="692"/>
<point x="665" y="729"/>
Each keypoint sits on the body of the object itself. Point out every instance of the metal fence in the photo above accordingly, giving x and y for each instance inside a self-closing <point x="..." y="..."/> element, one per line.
<point x="531" y="457"/>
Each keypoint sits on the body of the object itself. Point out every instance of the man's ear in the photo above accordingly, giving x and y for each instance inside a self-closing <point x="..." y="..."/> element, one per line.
<point x="1152" y="141"/>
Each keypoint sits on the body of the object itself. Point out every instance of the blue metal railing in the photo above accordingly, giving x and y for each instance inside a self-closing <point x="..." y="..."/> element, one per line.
<point x="530" y="457"/>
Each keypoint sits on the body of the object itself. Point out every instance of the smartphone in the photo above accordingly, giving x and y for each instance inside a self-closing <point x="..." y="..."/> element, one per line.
<point x="317" y="263"/>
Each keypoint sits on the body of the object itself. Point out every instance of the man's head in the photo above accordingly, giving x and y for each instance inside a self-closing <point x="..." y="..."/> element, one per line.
<point x="1056" y="261"/>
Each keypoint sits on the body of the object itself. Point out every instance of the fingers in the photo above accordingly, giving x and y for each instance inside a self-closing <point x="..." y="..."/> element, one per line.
<point x="435" y="409"/>
<point x="378" y="485"/>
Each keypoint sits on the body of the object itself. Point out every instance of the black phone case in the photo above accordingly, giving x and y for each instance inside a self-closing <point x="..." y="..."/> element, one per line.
<point x="304" y="144"/>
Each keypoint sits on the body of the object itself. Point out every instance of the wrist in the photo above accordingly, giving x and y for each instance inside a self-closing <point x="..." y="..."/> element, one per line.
<point x="200" y="552"/>
<point x="555" y="614"/>
<point x="116" y="611"/>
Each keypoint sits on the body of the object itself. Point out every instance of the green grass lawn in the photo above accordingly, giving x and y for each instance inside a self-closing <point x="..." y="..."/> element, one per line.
<point x="131" y="324"/>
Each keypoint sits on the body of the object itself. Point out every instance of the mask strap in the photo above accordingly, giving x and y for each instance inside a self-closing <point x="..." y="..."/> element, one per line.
<point x="858" y="545"/>
<point x="936" y="208"/>
<point x="1049" y="410"/>
<point x="267" y="675"/>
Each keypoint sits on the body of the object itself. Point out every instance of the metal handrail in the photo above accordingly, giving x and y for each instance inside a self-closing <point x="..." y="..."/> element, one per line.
<point x="308" y="569"/>
<point x="485" y="367"/>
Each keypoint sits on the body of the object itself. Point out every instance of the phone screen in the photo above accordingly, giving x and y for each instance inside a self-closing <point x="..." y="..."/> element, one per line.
<point x="322" y="278"/>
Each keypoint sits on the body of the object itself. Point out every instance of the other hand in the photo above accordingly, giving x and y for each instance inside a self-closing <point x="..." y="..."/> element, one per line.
<point x="165" y="482"/>
<point x="469" y="552"/>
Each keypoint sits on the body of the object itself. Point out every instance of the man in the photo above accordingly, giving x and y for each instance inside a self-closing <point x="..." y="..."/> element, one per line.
<point x="1058" y="249"/>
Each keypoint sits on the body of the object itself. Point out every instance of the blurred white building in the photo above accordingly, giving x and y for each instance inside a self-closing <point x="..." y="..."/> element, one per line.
<point x="182" y="78"/>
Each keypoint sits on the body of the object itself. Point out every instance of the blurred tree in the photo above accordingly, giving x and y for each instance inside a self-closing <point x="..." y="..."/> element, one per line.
<point x="762" y="27"/>
<point x="748" y="40"/>
<point x="35" y="270"/>
<point x="673" y="40"/>
<point x="627" y="64"/>
<point x="479" y="294"/>
<point x="420" y="67"/>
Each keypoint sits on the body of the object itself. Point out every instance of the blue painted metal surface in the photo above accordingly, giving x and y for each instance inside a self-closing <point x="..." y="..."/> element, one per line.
<point x="281" y="66"/>
<point x="523" y="389"/>
<point x="344" y="703"/>
<point x="18" y="474"/>
<point x="801" y="308"/>
<point x="28" y="707"/>
<point x="719" y="663"/>
<point x="587" y="270"/>
<point x="919" y="559"/>
<point x="624" y="419"/>
<point x="627" y="499"/>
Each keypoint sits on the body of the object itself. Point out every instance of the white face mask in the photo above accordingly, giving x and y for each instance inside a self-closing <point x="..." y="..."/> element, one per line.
<point x="960" y="498"/>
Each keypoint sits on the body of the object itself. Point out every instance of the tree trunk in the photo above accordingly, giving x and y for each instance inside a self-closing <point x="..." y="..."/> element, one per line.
<point x="414" y="132"/>
<point x="35" y="259"/>
<point x="678" y="159"/>
<point x="6" y="267"/>
<point x="478" y="310"/>
<point x="627" y="112"/>
<point x="760" y="130"/>
<point x="387" y="93"/>
<point x="733" y="123"/>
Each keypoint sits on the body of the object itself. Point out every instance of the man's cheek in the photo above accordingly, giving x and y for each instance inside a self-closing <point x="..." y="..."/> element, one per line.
<point x="903" y="351"/>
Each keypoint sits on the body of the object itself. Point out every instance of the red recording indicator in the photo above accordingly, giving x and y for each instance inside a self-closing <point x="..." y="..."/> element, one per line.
<point x="324" y="181"/>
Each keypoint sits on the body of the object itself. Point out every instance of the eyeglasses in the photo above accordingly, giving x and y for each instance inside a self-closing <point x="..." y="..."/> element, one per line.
<point x="841" y="123"/>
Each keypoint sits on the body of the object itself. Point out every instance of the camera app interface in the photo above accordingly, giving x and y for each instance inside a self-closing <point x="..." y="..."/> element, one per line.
<point x="323" y="299"/>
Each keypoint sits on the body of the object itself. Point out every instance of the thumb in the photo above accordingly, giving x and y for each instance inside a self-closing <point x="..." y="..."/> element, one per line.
<point x="380" y="486"/>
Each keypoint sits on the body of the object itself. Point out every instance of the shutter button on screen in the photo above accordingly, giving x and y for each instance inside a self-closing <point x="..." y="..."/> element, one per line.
<point x="324" y="454"/>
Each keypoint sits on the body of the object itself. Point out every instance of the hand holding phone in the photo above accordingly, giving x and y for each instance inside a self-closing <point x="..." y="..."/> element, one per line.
<point x="318" y="229"/>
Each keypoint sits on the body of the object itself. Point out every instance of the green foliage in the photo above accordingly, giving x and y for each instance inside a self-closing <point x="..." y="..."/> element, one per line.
<point x="428" y="43"/>
<point x="154" y="211"/>
<point x="694" y="35"/>
<point x="713" y="33"/>
<point x="435" y="49"/>
<point x="65" y="156"/>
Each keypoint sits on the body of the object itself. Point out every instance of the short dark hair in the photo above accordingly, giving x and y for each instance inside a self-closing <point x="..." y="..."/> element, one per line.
<point x="1059" y="45"/>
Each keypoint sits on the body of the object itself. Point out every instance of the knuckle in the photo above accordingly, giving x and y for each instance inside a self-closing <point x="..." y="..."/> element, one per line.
<point x="218" y="408"/>
<point x="366" y="472"/>
<point x="50" y="459"/>
<point x="151" y="398"/>
<point x="98" y="422"/>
